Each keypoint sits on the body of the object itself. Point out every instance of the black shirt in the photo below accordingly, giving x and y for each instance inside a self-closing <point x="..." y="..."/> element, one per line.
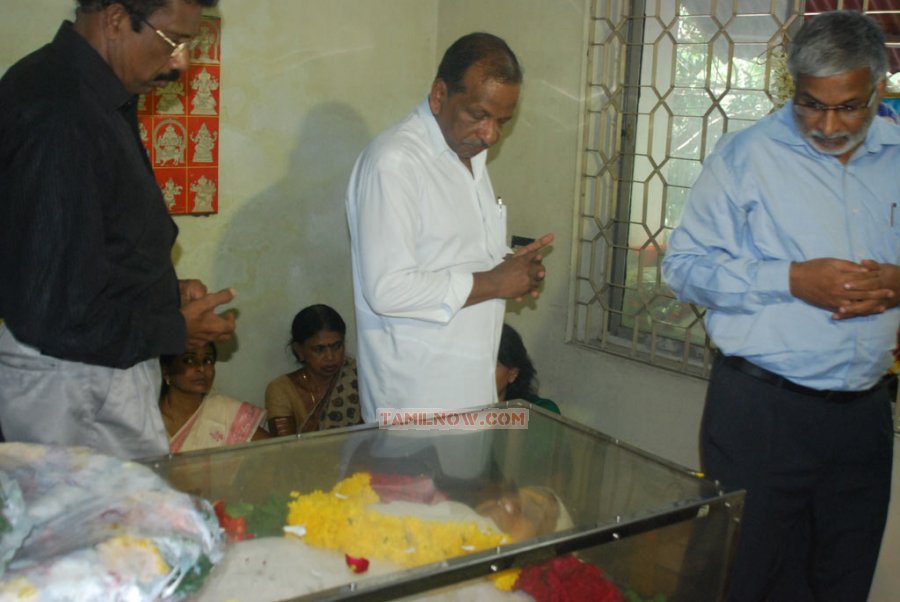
<point x="85" y="239"/>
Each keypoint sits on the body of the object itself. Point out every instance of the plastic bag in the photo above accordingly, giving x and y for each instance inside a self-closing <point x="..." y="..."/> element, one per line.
<point x="85" y="527"/>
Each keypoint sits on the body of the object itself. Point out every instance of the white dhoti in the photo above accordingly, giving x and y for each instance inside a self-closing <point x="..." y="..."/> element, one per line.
<point x="57" y="402"/>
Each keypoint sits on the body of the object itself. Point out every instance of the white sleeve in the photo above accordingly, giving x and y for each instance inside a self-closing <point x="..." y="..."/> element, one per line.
<point x="385" y="222"/>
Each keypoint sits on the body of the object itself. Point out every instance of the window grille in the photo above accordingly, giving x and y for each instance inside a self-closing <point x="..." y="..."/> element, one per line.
<point x="665" y="80"/>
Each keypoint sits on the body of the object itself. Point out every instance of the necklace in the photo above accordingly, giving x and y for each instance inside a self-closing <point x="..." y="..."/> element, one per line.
<point x="312" y="396"/>
<point x="311" y="422"/>
<point x="309" y="387"/>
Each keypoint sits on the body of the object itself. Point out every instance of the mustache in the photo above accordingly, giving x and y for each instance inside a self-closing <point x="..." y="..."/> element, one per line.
<point x="476" y="143"/>
<point x="170" y="76"/>
<point x="818" y="134"/>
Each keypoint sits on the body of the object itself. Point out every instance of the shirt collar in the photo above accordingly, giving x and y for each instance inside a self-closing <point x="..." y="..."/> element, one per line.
<point x="91" y="68"/>
<point x="438" y="143"/>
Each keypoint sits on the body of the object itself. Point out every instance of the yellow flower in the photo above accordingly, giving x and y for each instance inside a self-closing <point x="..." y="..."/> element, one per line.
<point x="136" y="556"/>
<point x="340" y="521"/>
<point x="506" y="580"/>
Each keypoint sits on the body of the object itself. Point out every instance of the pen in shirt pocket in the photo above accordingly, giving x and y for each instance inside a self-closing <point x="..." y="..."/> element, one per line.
<point x="893" y="208"/>
<point x="500" y="205"/>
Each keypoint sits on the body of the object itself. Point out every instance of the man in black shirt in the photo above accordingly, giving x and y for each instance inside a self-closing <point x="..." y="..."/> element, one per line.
<point x="88" y="291"/>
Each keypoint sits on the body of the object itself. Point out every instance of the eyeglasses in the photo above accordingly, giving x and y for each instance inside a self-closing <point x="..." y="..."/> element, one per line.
<point x="177" y="48"/>
<point x="813" y="108"/>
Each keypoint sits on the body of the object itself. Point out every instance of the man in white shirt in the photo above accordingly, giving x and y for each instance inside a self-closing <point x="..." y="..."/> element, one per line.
<point x="431" y="268"/>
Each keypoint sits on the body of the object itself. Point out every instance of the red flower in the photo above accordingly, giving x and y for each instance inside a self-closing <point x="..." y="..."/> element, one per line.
<point x="235" y="528"/>
<point x="567" y="579"/>
<point x="357" y="565"/>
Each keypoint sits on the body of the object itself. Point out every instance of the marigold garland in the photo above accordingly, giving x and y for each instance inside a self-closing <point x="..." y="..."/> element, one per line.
<point x="341" y="521"/>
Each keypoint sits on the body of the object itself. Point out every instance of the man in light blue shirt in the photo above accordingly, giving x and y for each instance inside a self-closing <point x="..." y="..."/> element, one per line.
<point x="791" y="240"/>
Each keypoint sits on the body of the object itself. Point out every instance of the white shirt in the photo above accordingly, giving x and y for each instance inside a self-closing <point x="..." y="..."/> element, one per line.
<point x="420" y="225"/>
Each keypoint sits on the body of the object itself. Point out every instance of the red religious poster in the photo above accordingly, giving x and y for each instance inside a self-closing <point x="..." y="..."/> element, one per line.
<point x="179" y="126"/>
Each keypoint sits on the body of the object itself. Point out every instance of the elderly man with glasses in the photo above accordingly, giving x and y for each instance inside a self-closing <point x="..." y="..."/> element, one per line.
<point x="791" y="239"/>
<point x="88" y="293"/>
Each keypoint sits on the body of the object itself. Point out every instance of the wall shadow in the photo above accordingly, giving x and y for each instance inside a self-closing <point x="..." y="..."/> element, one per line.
<point x="288" y="247"/>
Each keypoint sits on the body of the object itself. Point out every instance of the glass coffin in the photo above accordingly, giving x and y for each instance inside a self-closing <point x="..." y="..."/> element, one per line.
<point x="464" y="507"/>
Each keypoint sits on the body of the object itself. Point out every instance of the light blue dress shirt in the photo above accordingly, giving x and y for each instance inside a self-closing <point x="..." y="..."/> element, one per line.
<point x="764" y="199"/>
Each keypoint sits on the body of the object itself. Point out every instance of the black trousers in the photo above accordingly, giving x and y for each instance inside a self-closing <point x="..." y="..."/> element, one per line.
<point x="818" y="478"/>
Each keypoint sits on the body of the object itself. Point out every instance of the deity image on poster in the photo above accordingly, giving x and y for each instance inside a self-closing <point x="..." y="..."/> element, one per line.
<point x="179" y="127"/>
<point x="169" y="142"/>
<point x="204" y="142"/>
<point x="171" y="191"/>
<point x="204" y="191"/>
<point x="207" y="49"/>
<point x="170" y="99"/>
<point x="203" y="102"/>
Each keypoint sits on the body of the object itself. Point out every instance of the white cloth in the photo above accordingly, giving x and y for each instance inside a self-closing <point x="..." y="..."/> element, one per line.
<point x="56" y="402"/>
<point x="220" y="420"/>
<point x="420" y="225"/>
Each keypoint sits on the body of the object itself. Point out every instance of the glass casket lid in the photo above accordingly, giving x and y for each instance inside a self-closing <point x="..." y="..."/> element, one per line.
<point x="548" y="485"/>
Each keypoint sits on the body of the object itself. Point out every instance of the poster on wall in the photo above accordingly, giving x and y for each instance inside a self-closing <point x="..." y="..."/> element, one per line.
<point x="179" y="126"/>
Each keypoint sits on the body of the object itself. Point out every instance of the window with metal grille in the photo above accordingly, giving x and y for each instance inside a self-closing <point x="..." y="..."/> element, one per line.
<point x="666" y="79"/>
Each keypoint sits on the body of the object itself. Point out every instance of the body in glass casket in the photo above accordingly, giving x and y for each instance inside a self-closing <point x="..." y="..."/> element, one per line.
<point x="560" y="490"/>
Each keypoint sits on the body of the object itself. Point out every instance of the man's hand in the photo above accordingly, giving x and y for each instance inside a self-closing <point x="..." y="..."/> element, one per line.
<point x="887" y="288"/>
<point x="519" y="274"/>
<point x="534" y="245"/>
<point x="203" y="324"/>
<point x="845" y="288"/>
<point x="191" y="290"/>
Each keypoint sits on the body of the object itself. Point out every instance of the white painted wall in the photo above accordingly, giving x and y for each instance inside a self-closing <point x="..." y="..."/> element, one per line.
<point x="305" y="85"/>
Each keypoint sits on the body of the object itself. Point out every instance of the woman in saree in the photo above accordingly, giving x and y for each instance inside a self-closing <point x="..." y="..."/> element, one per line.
<point x="515" y="374"/>
<point x="323" y="393"/>
<point x="194" y="417"/>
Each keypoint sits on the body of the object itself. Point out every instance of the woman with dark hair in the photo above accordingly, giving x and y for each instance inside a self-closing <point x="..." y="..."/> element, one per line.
<point x="323" y="393"/>
<point x="516" y="376"/>
<point x="194" y="417"/>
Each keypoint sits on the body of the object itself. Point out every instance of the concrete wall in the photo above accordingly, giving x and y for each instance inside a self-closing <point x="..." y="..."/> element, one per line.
<point x="305" y="86"/>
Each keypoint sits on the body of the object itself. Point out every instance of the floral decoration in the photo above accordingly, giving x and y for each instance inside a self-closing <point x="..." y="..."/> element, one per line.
<point x="341" y="520"/>
<point x="357" y="565"/>
<point x="781" y="84"/>
<point x="567" y="579"/>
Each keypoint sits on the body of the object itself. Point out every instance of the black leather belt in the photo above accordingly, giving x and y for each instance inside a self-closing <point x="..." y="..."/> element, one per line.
<point x="780" y="382"/>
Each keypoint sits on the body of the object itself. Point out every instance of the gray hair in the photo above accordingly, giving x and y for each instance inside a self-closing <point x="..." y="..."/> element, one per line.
<point x="836" y="42"/>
